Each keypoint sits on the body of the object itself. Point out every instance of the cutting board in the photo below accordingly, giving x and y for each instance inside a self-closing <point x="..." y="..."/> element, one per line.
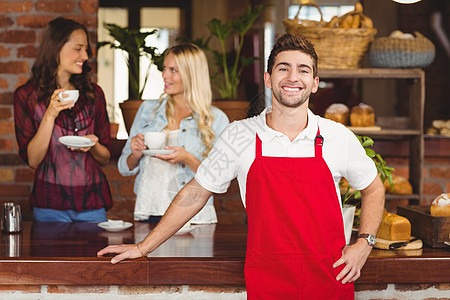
<point x="384" y="244"/>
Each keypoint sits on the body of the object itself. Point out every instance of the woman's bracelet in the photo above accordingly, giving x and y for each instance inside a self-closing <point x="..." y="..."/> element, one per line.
<point x="142" y="253"/>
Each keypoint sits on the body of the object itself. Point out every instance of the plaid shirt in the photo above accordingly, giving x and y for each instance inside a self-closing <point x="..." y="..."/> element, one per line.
<point x="65" y="179"/>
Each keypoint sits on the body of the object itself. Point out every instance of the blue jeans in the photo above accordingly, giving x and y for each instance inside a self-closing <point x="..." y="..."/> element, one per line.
<point x="69" y="216"/>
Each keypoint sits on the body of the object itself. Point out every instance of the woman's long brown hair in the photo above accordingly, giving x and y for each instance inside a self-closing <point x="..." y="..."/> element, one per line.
<point x="45" y="68"/>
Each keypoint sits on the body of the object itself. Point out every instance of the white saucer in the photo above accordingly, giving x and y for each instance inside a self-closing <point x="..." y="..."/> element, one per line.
<point x="184" y="230"/>
<point x="447" y="243"/>
<point x="153" y="152"/>
<point x="76" y="142"/>
<point x="108" y="226"/>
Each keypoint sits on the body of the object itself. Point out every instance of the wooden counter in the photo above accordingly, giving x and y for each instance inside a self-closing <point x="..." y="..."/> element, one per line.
<point x="65" y="254"/>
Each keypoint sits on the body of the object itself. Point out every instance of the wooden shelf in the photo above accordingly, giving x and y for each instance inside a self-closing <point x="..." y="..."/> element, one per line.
<point x="408" y="128"/>
<point x="372" y="73"/>
<point x="389" y="132"/>
<point x="399" y="197"/>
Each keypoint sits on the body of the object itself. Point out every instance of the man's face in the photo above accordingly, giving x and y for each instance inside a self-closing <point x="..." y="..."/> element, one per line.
<point x="292" y="80"/>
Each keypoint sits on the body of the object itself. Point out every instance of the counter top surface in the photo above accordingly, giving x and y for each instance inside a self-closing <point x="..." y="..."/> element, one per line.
<point x="62" y="253"/>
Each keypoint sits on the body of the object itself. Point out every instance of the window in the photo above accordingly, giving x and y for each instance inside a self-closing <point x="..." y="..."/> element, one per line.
<point x="112" y="70"/>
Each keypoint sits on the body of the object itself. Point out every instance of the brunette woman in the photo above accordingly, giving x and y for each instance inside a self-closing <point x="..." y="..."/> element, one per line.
<point x="69" y="184"/>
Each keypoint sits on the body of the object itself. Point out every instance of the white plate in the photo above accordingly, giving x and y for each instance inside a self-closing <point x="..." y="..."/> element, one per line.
<point x="185" y="230"/>
<point x="447" y="243"/>
<point x="155" y="152"/>
<point x="76" y="141"/>
<point x="108" y="226"/>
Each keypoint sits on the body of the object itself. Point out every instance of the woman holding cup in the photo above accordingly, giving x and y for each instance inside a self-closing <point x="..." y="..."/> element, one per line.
<point x="69" y="184"/>
<point x="190" y="125"/>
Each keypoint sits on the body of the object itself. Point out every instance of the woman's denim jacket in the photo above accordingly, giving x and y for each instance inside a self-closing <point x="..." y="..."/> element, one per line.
<point x="147" y="119"/>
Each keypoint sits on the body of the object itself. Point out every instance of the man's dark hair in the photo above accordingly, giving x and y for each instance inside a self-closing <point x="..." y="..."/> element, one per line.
<point x="292" y="42"/>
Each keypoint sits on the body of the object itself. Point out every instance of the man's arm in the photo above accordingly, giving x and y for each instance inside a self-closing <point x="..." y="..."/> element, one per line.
<point x="354" y="256"/>
<point x="186" y="204"/>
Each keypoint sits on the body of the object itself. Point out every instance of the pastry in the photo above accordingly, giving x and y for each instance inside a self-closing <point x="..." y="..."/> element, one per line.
<point x="337" y="112"/>
<point x="394" y="227"/>
<point x="362" y="115"/>
<point x="441" y="206"/>
<point x="401" y="185"/>
<point x="441" y="127"/>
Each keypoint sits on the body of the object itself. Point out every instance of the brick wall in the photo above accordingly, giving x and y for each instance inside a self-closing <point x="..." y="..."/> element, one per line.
<point x="436" y="174"/>
<point x="21" y="28"/>
<point x="167" y="292"/>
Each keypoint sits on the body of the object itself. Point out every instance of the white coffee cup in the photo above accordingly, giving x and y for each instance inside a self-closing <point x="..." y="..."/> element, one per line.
<point x="69" y="95"/>
<point x="155" y="140"/>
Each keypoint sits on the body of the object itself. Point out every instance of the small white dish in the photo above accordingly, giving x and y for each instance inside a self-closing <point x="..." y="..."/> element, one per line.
<point x="113" y="227"/>
<point x="76" y="142"/>
<point x="447" y="243"/>
<point x="153" y="152"/>
<point x="184" y="230"/>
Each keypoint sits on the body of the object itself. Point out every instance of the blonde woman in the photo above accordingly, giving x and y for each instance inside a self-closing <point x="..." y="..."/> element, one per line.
<point x="192" y="125"/>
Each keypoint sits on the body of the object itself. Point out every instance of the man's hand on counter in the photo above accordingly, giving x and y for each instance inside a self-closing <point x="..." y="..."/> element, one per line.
<point x="129" y="251"/>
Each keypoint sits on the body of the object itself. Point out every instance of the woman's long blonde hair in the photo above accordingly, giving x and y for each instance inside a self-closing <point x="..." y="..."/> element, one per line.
<point x="193" y="68"/>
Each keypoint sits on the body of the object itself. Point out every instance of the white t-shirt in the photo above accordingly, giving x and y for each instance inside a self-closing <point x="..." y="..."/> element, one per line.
<point x="234" y="152"/>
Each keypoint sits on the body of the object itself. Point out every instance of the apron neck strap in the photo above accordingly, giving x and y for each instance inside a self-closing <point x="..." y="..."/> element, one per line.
<point x="258" y="147"/>
<point x="318" y="142"/>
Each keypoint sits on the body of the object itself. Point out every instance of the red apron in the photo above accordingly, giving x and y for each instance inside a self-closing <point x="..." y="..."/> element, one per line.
<point x="295" y="229"/>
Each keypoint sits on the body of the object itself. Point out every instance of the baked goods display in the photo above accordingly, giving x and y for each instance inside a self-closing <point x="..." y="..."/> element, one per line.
<point x="441" y="127"/>
<point x="394" y="228"/>
<point x="400" y="186"/>
<point x="401" y="35"/>
<point x="338" y="112"/>
<point x="362" y="115"/>
<point x="340" y="43"/>
<point x="352" y="19"/>
<point x="440" y="207"/>
<point x="402" y="50"/>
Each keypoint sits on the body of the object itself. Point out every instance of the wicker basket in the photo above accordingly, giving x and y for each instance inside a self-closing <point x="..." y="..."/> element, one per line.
<point x="337" y="48"/>
<point x="391" y="52"/>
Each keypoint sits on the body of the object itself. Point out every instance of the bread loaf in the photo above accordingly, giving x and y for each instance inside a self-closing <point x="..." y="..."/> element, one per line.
<point x="394" y="227"/>
<point x="401" y="185"/>
<point x="441" y="206"/>
<point x="362" y="115"/>
<point x="337" y="112"/>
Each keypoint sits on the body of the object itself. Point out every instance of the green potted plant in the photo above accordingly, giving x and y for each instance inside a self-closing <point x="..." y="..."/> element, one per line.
<point x="132" y="41"/>
<point x="228" y="66"/>
<point x="351" y="197"/>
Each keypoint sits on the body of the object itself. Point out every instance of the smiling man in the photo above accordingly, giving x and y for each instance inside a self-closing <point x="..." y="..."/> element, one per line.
<point x="288" y="163"/>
